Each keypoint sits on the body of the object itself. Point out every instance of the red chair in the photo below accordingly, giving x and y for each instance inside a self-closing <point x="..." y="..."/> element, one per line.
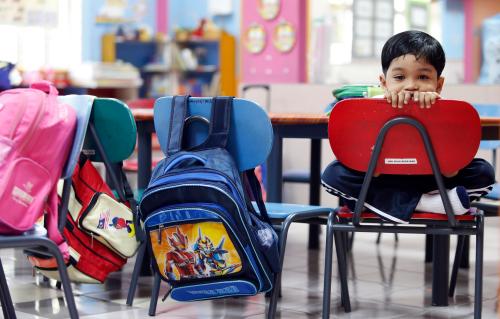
<point x="369" y="136"/>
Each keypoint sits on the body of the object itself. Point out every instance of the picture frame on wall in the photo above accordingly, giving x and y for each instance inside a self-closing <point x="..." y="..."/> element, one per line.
<point x="255" y="38"/>
<point x="284" y="36"/>
<point x="269" y="9"/>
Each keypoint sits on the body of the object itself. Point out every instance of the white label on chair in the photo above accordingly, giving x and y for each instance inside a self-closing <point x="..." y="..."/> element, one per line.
<point x="401" y="161"/>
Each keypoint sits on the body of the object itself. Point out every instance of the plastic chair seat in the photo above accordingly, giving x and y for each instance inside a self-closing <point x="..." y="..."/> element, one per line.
<point x="416" y="216"/>
<point x="280" y="211"/>
<point x="495" y="193"/>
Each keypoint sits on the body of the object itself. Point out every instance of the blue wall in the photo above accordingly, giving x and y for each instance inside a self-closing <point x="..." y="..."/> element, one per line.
<point x="92" y="32"/>
<point x="187" y="14"/>
<point x="182" y="13"/>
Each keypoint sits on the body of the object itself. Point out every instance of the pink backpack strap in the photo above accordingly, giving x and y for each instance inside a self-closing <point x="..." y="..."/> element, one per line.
<point x="51" y="224"/>
<point x="45" y="86"/>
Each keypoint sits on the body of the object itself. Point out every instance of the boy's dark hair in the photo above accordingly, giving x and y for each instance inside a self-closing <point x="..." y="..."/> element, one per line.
<point x="418" y="43"/>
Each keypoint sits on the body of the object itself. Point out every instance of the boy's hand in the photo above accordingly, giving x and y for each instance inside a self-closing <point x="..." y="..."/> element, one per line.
<point x="426" y="99"/>
<point x="398" y="99"/>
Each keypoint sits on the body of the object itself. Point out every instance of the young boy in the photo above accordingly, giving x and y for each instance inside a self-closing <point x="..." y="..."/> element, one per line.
<point x="412" y="62"/>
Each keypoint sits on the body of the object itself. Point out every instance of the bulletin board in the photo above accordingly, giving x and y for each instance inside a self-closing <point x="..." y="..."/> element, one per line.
<point x="273" y="41"/>
<point x="29" y="12"/>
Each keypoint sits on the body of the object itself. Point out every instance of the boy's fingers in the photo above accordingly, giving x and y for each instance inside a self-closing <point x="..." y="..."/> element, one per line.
<point x="421" y="99"/>
<point x="433" y="98"/>
<point x="428" y="100"/>
<point x="387" y="96"/>
<point x="394" y="99"/>
<point x="407" y="97"/>
<point x="415" y="96"/>
<point x="401" y="99"/>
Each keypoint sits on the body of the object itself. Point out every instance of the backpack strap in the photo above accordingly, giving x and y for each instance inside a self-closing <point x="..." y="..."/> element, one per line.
<point x="219" y="123"/>
<point x="220" y="120"/>
<point x="253" y="186"/>
<point x="177" y="117"/>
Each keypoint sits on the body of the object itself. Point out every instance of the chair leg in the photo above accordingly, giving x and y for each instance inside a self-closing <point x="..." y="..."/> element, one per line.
<point x="275" y="293"/>
<point x="7" y="305"/>
<point x="456" y="265"/>
<point x="342" y="264"/>
<point x="63" y="274"/>
<point x="154" y="294"/>
<point x="135" y="274"/>
<point x="478" y="285"/>
<point x="327" y="284"/>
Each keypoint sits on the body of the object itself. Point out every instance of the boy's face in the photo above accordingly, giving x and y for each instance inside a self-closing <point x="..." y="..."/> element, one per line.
<point x="406" y="73"/>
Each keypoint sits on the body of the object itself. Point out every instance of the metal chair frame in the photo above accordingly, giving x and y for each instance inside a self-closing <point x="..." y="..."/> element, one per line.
<point x="441" y="230"/>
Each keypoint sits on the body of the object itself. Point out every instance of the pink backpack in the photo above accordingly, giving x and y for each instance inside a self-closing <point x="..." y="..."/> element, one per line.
<point x="36" y="134"/>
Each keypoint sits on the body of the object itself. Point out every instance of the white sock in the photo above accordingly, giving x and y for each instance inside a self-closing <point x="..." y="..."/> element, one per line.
<point x="433" y="203"/>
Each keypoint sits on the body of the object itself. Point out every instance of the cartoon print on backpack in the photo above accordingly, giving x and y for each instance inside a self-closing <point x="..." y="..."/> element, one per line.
<point x="215" y="258"/>
<point x="117" y="223"/>
<point x="201" y="260"/>
<point x="184" y="260"/>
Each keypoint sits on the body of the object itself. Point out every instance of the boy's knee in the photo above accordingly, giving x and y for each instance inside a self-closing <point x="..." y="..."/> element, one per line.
<point x="334" y="173"/>
<point x="485" y="172"/>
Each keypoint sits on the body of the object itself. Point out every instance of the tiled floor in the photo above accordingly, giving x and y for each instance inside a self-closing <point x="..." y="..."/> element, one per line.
<point x="386" y="281"/>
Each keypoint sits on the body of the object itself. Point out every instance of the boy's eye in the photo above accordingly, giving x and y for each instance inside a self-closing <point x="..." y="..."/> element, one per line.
<point x="398" y="77"/>
<point x="423" y="77"/>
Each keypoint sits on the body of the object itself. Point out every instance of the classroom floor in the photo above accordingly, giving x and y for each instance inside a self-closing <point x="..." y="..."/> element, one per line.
<point x="389" y="281"/>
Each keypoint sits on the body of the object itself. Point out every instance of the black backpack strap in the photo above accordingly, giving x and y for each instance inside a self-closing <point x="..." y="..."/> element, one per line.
<point x="177" y="116"/>
<point x="140" y="235"/>
<point x="256" y="194"/>
<point x="220" y="120"/>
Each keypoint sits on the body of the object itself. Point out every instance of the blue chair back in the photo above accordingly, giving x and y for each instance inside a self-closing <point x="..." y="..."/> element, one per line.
<point x="250" y="134"/>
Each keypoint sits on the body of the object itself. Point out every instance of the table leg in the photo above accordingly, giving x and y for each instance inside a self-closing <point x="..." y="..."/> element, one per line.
<point x="143" y="175"/>
<point x="440" y="269"/>
<point x="275" y="171"/>
<point x="314" y="189"/>
<point x="144" y="156"/>
<point x="428" y="248"/>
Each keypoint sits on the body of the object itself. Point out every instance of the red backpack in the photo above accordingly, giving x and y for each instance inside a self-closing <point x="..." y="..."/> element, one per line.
<point x="93" y="254"/>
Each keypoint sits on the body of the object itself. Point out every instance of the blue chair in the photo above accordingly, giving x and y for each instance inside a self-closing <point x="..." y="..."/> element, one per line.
<point x="36" y="239"/>
<point x="250" y="141"/>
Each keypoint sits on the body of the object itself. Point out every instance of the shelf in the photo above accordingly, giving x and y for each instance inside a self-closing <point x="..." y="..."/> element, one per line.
<point x="159" y="68"/>
<point x="203" y="69"/>
<point x="197" y="41"/>
<point x="156" y="68"/>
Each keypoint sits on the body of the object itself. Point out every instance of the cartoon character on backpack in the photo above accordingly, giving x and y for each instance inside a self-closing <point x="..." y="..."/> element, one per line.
<point x="183" y="260"/>
<point x="212" y="257"/>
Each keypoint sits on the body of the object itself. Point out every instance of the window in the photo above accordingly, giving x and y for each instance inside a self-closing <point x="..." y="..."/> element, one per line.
<point x="38" y="41"/>
<point x="373" y="24"/>
<point x="345" y="31"/>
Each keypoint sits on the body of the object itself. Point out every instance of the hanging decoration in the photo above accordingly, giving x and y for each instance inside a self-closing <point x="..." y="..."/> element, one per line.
<point x="284" y="36"/>
<point x="255" y="38"/>
<point x="269" y="9"/>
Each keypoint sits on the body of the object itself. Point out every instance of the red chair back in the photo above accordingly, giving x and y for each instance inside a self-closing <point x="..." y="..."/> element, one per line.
<point x="453" y="126"/>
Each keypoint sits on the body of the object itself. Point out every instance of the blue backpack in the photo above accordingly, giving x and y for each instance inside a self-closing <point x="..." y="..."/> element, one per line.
<point x="206" y="238"/>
